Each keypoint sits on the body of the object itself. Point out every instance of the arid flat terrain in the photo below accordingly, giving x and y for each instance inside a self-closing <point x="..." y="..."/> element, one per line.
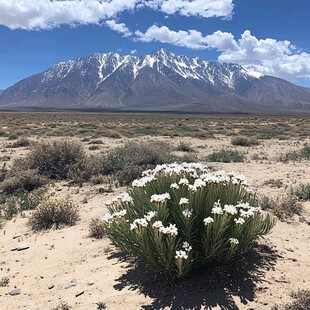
<point x="67" y="265"/>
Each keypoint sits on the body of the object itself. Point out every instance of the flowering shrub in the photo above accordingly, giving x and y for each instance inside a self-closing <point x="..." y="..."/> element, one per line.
<point x="177" y="217"/>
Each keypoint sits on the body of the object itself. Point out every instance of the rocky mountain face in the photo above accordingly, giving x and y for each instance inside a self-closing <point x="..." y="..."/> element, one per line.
<point x="161" y="81"/>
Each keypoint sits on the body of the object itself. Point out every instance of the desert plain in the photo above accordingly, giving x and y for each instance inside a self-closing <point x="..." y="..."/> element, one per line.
<point x="67" y="266"/>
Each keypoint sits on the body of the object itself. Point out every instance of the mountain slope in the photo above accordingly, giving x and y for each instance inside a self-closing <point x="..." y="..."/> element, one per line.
<point x="159" y="81"/>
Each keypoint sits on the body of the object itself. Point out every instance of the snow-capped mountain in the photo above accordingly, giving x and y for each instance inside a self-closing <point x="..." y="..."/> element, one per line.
<point x="159" y="81"/>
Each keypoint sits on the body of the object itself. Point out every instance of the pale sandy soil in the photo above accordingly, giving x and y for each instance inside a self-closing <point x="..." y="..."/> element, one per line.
<point x="56" y="257"/>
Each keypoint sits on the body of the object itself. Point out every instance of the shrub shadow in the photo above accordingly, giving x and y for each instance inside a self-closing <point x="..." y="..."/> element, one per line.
<point x="213" y="287"/>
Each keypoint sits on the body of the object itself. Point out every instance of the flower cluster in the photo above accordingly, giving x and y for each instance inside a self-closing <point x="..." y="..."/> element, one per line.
<point x="208" y="220"/>
<point x="138" y="222"/>
<point x="183" y="201"/>
<point x="181" y="254"/>
<point x="108" y="217"/>
<point x="169" y="230"/>
<point x="187" y="213"/>
<point x="160" y="198"/>
<point x="177" y="202"/>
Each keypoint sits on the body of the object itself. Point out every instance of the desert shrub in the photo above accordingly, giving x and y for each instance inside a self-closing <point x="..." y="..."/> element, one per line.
<point x="29" y="201"/>
<point x="184" y="147"/>
<point x="24" y="180"/>
<point x="180" y="217"/>
<point x="97" y="229"/>
<point x="226" y="156"/>
<point x="54" y="213"/>
<point x="304" y="153"/>
<point x="12" y="205"/>
<point x="274" y="183"/>
<point x="93" y="147"/>
<point x="21" y="142"/>
<point x="302" y="192"/>
<point x="10" y="208"/>
<point x="301" y="301"/>
<point x="283" y="208"/>
<point x="4" y="282"/>
<point x="62" y="306"/>
<point x="55" y="159"/>
<point x="3" y="172"/>
<point x="12" y="136"/>
<point x="126" y="163"/>
<point x="244" y="141"/>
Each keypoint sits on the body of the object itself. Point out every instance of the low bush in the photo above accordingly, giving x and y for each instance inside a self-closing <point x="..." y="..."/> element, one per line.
<point x="301" y="301"/>
<point x="226" y="156"/>
<point x="304" y="153"/>
<point x="184" y="147"/>
<point x="180" y="217"/>
<point x="244" y="141"/>
<point x="97" y="229"/>
<point x="12" y="205"/>
<point x="21" y="142"/>
<point x="54" y="213"/>
<point x="283" y="208"/>
<point x="302" y="192"/>
<point x="55" y="159"/>
<point x="17" y="182"/>
<point x="126" y="163"/>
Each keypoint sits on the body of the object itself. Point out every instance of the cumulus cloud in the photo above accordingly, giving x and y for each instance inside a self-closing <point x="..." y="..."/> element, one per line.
<point x="47" y="14"/>
<point x="203" y="8"/>
<point x="269" y="56"/>
<point x="121" y="27"/>
<point x="191" y="38"/>
<point x="278" y="58"/>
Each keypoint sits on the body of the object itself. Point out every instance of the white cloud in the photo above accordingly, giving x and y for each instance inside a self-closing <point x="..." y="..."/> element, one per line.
<point x="46" y="14"/>
<point x="204" y="8"/>
<point x="133" y="52"/>
<point x="269" y="56"/>
<point x="278" y="58"/>
<point x="191" y="38"/>
<point x="121" y="27"/>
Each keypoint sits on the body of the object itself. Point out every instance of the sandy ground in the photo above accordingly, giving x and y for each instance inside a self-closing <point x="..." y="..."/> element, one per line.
<point x="54" y="258"/>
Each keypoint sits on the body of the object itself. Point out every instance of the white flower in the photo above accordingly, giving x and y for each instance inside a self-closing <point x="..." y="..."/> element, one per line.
<point x="138" y="222"/>
<point x="217" y="210"/>
<point x="160" y="198"/>
<point x="174" y="186"/>
<point x="133" y="226"/>
<point x="240" y="221"/>
<point x="193" y="188"/>
<point x="186" y="246"/>
<point x="208" y="220"/>
<point x="158" y="224"/>
<point x="199" y="183"/>
<point x="169" y="230"/>
<point x="184" y="201"/>
<point x="125" y="197"/>
<point x="119" y="214"/>
<point x="183" y="182"/>
<point x="143" y="181"/>
<point x="233" y="241"/>
<point x="150" y="215"/>
<point x="230" y="209"/>
<point x="187" y="213"/>
<point x="108" y="217"/>
<point x="181" y="254"/>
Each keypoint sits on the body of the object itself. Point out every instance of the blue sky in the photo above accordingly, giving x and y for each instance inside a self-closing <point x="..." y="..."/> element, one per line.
<point x="269" y="36"/>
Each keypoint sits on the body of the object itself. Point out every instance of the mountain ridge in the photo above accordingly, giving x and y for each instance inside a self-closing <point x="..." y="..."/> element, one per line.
<point x="161" y="80"/>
